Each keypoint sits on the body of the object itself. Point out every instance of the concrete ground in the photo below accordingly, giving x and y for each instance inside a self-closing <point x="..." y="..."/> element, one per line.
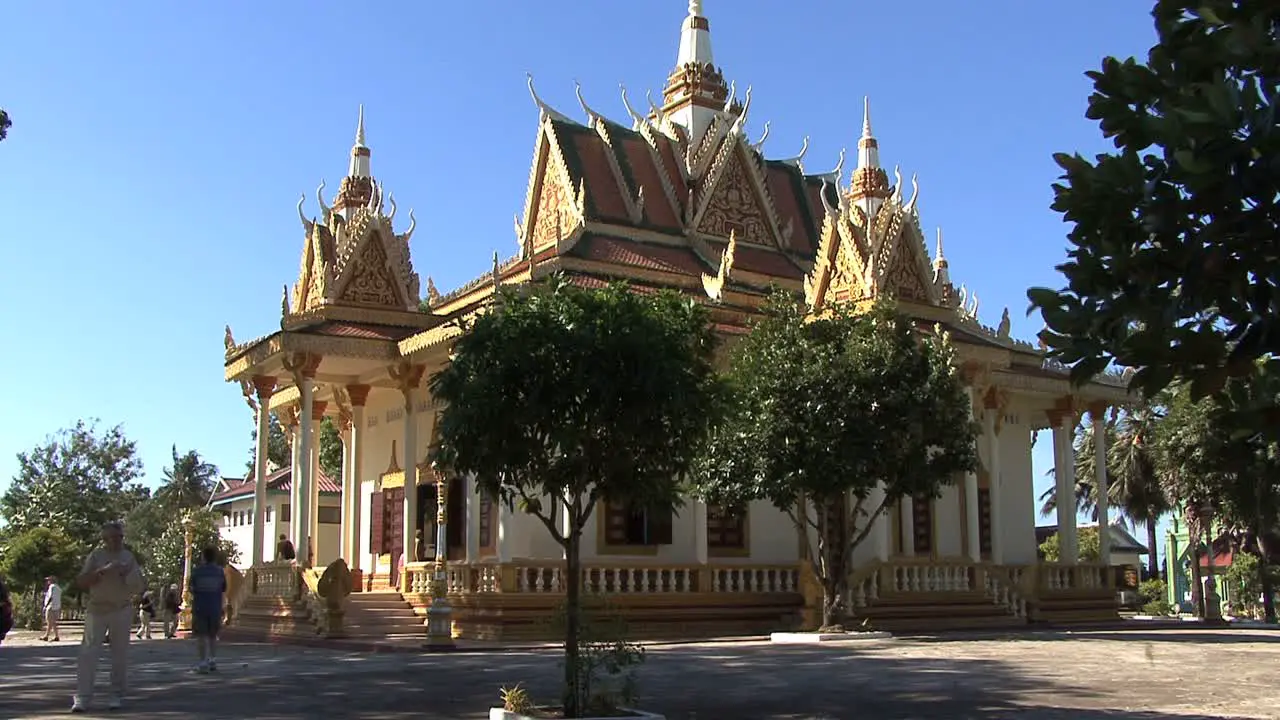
<point x="1077" y="676"/>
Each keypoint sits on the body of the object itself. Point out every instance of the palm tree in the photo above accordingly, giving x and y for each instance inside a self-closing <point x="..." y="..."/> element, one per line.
<point x="1134" y="480"/>
<point x="189" y="482"/>
<point x="1086" y="497"/>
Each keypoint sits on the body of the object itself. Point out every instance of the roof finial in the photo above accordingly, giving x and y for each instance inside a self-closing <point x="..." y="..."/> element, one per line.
<point x="359" y="167"/>
<point x="866" y="116"/>
<point x="695" y="8"/>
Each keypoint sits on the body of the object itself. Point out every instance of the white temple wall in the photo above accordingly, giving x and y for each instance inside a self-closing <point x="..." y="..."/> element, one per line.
<point x="948" y="522"/>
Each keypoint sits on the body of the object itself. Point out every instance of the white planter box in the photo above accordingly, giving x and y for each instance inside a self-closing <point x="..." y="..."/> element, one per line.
<point x="500" y="714"/>
<point x="817" y="638"/>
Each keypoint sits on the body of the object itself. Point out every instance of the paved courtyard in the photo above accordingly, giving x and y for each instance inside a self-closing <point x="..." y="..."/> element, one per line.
<point x="1077" y="676"/>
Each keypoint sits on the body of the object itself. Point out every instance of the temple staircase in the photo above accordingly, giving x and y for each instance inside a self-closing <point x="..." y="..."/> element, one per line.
<point x="382" y="615"/>
<point x="905" y="597"/>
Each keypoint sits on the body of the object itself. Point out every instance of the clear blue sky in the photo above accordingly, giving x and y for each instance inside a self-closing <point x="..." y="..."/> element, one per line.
<point x="148" y="185"/>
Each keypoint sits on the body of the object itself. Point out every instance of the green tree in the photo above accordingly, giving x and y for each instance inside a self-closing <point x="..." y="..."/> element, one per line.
<point x="75" y="481"/>
<point x="189" y="482"/>
<point x="574" y="396"/>
<point x="277" y="445"/>
<point x="1088" y="548"/>
<point x="5" y="124"/>
<point x="330" y="449"/>
<point x="1172" y="269"/>
<point x="34" y="554"/>
<point x="1213" y="460"/>
<point x="164" y="554"/>
<point x="827" y="410"/>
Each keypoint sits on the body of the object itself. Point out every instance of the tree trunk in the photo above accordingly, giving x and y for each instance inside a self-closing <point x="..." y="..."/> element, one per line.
<point x="1264" y="571"/>
<point x="572" y="621"/>
<point x="1153" y="558"/>
<point x="835" y="528"/>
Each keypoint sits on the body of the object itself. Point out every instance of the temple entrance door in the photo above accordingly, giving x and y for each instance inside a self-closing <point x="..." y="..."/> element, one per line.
<point x="922" y="525"/>
<point x="393" y="523"/>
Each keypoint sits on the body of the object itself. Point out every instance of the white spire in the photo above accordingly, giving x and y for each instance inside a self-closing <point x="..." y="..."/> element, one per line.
<point x="868" y="148"/>
<point x="359" y="152"/>
<point x="941" y="276"/>
<point x="695" y="38"/>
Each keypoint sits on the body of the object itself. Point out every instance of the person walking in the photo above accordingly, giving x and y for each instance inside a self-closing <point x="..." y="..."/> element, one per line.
<point x="52" y="608"/>
<point x="146" y="613"/>
<point x="171" y="605"/>
<point x="208" y="585"/>
<point x="112" y="577"/>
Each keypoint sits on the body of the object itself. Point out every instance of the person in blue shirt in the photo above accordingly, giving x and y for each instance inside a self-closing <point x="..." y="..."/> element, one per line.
<point x="208" y="584"/>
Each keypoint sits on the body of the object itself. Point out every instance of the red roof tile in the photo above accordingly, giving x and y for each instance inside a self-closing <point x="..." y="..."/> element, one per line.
<point x="362" y="331"/>
<point x="602" y="187"/>
<point x="788" y="195"/>
<point x="279" y="480"/>
<point x="657" y="208"/>
<point x="677" y="260"/>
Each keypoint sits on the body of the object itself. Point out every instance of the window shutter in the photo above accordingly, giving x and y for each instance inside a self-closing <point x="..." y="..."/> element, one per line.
<point x="377" y="523"/>
<point x="660" y="522"/>
<point x="615" y="523"/>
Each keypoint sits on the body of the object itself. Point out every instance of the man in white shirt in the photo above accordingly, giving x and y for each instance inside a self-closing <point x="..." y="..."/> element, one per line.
<point x="52" y="608"/>
<point x="112" y="577"/>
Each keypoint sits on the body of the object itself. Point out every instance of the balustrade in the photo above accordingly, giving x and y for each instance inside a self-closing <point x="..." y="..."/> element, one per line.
<point x="549" y="577"/>
<point x="280" y="579"/>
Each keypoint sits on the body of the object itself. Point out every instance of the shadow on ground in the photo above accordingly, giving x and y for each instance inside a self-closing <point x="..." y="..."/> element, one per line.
<point x="685" y="683"/>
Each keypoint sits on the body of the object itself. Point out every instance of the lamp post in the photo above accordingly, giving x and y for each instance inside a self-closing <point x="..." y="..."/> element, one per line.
<point x="184" y="617"/>
<point x="440" y="614"/>
<point x="1212" y="605"/>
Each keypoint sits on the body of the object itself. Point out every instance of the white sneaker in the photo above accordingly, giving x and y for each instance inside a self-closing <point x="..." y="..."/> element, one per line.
<point x="213" y="666"/>
<point x="114" y="703"/>
<point x="202" y="668"/>
<point x="77" y="706"/>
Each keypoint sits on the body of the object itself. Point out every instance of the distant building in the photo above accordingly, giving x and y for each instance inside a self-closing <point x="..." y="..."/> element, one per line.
<point x="233" y="499"/>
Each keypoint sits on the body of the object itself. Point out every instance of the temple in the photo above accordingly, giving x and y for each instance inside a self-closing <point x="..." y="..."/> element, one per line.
<point x="676" y="195"/>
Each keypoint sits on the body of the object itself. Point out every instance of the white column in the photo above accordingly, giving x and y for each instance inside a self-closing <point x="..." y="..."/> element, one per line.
<point x="303" y="476"/>
<point x="974" y="544"/>
<point x="1064" y="474"/>
<point x="345" y="550"/>
<point x="265" y="386"/>
<point x="295" y="483"/>
<point x="472" y="525"/>
<point x="313" y="486"/>
<point x="410" y="459"/>
<point x="907" y="525"/>
<point x="359" y="394"/>
<point x="995" y="487"/>
<point x="700" y="553"/>
<point x="1101" y="483"/>
<point x="506" y="530"/>
<point x="879" y="537"/>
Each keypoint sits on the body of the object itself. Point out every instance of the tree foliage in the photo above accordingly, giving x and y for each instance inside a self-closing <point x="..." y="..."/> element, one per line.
<point x="277" y="445"/>
<point x="189" y="482"/>
<point x="1172" y="268"/>
<point x="34" y="554"/>
<point x="5" y="124"/>
<point x="1213" y="460"/>
<point x="162" y="553"/>
<point x="560" y="397"/>
<point x="78" y="479"/>
<point x="825" y="411"/>
<point x="330" y="449"/>
<point x="1089" y="549"/>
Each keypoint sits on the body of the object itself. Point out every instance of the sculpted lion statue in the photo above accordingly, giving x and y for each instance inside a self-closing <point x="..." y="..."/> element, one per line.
<point x="335" y="584"/>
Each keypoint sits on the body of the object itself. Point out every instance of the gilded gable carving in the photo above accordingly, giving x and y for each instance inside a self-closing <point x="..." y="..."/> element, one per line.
<point x="735" y="207"/>
<point x="903" y="278"/>
<point x="553" y="219"/>
<point x="371" y="281"/>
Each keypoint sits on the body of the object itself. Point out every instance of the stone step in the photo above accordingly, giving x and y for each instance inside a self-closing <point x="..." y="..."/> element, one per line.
<point x="932" y="610"/>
